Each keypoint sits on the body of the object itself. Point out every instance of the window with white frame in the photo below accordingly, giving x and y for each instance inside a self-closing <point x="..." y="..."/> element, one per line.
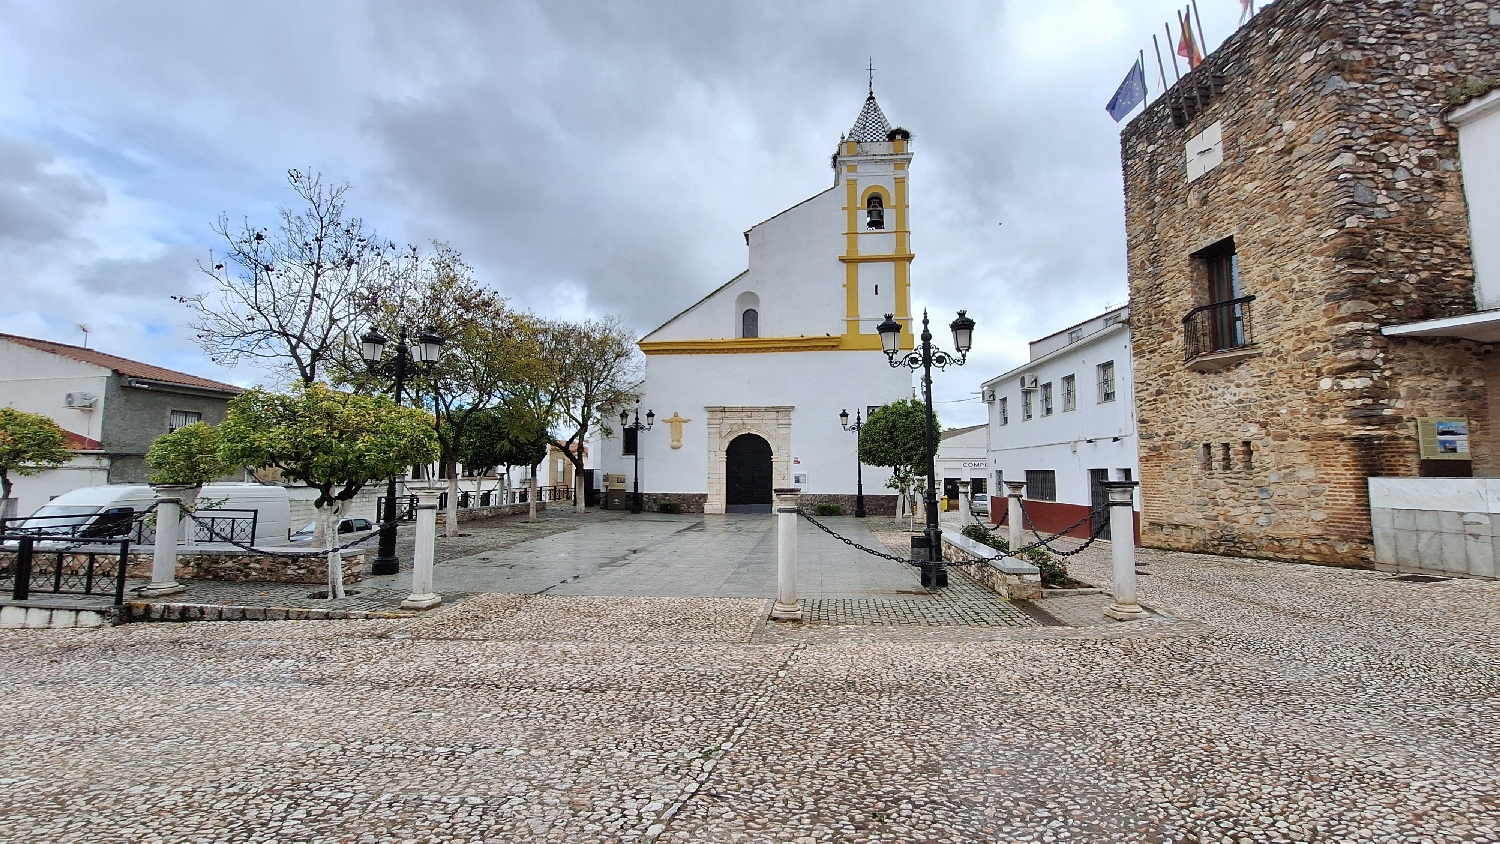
<point x="1025" y="405"/>
<point x="1004" y="409"/>
<point x="1047" y="399"/>
<point x="1106" y="381"/>
<point x="182" y="418"/>
<point x="1075" y="335"/>
<point x="1070" y="393"/>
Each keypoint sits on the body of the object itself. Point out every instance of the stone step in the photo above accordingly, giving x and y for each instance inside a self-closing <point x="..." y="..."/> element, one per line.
<point x="167" y="611"/>
<point x="18" y="616"/>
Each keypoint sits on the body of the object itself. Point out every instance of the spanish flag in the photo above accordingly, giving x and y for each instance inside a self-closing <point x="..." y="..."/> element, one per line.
<point x="1187" y="45"/>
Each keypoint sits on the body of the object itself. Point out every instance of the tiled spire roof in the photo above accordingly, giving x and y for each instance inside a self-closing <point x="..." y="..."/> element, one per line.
<point x="871" y="126"/>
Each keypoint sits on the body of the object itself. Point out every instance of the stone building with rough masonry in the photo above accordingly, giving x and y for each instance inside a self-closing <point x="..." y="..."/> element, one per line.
<point x="1297" y="193"/>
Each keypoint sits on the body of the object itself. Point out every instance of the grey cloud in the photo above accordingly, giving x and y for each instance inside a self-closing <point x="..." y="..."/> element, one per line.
<point x="39" y="203"/>
<point x="174" y="271"/>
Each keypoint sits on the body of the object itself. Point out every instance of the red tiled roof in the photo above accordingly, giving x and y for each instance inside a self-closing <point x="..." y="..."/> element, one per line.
<point x="124" y="366"/>
<point x="78" y="442"/>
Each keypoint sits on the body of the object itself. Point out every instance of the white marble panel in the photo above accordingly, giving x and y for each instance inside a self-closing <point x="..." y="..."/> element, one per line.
<point x="1406" y="548"/>
<point x="1455" y="554"/>
<point x="1459" y="494"/>
<point x="1385" y="544"/>
<point x="1481" y="556"/>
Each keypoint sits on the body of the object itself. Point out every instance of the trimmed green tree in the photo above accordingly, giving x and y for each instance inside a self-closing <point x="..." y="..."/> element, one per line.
<point x="29" y="443"/>
<point x="188" y="456"/>
<point x="895" y="436"/>
<point x="334" y="442"/>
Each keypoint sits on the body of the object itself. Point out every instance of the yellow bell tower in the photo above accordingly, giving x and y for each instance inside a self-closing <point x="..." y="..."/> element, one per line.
<point x="872" y="163"/>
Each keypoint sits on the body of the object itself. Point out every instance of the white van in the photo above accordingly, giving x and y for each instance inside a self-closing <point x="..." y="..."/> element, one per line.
<point x="224" y="507"/>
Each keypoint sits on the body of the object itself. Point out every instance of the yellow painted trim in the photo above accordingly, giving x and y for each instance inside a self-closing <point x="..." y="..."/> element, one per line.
<point x="885" y="196"/>
<point x="739" y="345"/>
<point x="851" y="289"/>
<point x="903" y="292"/>
<point x="865" y="259"/>
<point x="903" y="244"/>
<point x="853" y="341"/>
<point x="900" y="145"/>
<point x="851" y="231"/>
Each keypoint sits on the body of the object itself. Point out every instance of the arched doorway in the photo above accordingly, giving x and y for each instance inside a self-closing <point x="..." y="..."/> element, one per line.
<point x="747" y="475"/>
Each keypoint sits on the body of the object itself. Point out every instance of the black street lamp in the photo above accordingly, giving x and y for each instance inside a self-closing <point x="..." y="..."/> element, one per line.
<point x="410" y="359"/>
<point x="935" y="572"/>
<point x="627" y="425"/>
<point x="859" y="467"/>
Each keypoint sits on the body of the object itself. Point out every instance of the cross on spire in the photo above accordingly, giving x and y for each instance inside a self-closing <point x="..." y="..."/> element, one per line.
<point x="872" y="74"/>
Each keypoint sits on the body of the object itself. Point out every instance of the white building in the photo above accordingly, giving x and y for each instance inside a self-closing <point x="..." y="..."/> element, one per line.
<point x="748" y="383"/>
<point x="1065" y="421"/>
<point x="110" y="408"/>
<point x="963" y="455"/>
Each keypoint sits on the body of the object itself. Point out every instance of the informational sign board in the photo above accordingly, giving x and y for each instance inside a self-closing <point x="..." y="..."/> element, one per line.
<point x="1443" y="437"/>
<point x="614" y="481"/>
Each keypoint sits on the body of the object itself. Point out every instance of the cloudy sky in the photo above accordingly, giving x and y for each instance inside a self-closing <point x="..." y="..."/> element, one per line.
<point x="588" y="158"/>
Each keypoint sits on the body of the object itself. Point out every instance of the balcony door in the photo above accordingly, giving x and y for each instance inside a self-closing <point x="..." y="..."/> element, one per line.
<point x="1226" y="323"/>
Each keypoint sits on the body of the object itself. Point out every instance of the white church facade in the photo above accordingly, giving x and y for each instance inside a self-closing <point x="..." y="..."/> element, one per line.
<point x="748" y="383"/>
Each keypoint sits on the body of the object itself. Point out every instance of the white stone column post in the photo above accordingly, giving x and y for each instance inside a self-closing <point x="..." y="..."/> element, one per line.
<point x="422" y="597"/>
<point x="168" y="524"/>
<point x="786" y="607"/>
<point x="1122" y="549"/>
<point x="1014" y="491"/>
<point x="963" y="504"/>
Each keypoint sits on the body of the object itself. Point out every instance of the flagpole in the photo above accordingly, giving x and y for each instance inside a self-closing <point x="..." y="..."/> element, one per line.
<point x="1176" y="71"/>
<point x="1140" y="59"/>
<point x="1159" y="66"/>
<point x="1202" y="39"/>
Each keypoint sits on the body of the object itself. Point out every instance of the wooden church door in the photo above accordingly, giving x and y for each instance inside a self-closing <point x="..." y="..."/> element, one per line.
<point x="747" y="475"/>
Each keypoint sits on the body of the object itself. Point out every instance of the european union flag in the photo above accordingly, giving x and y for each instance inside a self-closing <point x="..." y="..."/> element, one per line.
<point x="1131" y="93"/>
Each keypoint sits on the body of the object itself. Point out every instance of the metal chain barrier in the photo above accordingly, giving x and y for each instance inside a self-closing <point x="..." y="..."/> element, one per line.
<point x="1043" y="540"/>
<point x="213" y="532"/>
<point x="847" y="541"/>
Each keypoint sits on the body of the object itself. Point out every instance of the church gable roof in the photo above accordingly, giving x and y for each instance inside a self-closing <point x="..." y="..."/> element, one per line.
<point x="871" y="126"/>
<point x="685" y="311"/>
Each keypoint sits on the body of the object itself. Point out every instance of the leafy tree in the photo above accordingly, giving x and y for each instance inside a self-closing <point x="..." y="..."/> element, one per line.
<point x="188" y="456"/>
<point x="489" y="349"/>
<point x="29" y="443"/>
<point x="895" y="436"/>
<point x="509" y="435"/>
<point x="289" y="297"/>
<point x="332" y="441"/>
<point x="593" y="369"/>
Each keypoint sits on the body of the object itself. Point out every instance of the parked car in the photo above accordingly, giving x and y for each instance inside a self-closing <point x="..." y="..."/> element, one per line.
<point x="348" y="528"/>
<point x="979" y="504"/>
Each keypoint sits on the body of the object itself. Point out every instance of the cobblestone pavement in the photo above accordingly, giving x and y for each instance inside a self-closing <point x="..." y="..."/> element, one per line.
<point x="1296" y="703"/>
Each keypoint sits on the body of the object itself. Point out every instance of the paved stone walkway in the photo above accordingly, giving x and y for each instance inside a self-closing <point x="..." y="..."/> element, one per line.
<point x="1293" y="704"/>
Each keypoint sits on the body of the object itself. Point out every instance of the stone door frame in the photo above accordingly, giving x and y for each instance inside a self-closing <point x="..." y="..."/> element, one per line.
<point x="771" y="423"/>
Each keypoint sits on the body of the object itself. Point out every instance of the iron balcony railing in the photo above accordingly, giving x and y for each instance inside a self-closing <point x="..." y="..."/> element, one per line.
<point x="1220" y="327"/>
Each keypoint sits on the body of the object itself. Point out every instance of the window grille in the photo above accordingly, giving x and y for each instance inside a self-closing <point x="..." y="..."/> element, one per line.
<point x="1106" y="381"/>
<point x="1025" y="405"/>
<point x="1005" y="411"/>
<point x="1070" y="393"/>
<point x="182" y="418"/>
<point x="1041" y="485"/>
<point x="1047" y="399"/>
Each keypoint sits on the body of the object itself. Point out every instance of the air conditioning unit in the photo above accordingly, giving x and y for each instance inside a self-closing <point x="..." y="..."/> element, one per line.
<point x="81" y="401"/>
<point x="989" y="396"/>
<point x="1028" y="382"/>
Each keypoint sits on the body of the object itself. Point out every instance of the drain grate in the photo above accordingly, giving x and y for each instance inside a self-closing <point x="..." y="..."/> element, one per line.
<point x="1421" y="578"/>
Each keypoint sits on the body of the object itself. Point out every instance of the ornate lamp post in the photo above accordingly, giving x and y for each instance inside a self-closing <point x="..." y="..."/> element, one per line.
<point x="859" y="467"/>
<point x="627" y="425"/>
<point x="926" y="356"/>
<point x="409" y="359"/>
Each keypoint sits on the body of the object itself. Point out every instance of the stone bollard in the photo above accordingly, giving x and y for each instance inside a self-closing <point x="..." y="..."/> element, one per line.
<point x="422" y="597"/>
<point x="786" y="607"/>
<point x="1122" y="549"/>
<point x="169" y="501"/>
<point x="964" y="516"/>
<point x="1014" y="492"/>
